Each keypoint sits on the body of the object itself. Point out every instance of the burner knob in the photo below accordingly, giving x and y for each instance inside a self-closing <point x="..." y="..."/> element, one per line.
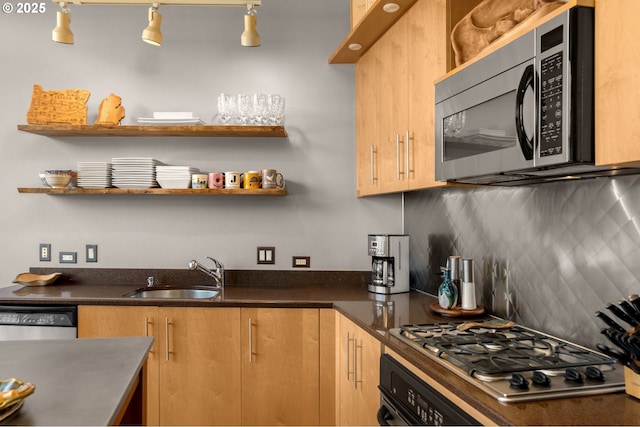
<point x="594" y="373"/>
<point x="519" y="382"/>
<point x="572" y="375"/>
<point x="541" y="379"/>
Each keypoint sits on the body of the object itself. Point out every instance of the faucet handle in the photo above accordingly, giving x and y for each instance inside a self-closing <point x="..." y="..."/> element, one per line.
<point x="216" y="262"/>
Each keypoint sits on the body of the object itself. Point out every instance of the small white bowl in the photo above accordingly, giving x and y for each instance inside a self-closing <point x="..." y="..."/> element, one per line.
<point x="174" y="182"/>
<point x="58" y="181"/>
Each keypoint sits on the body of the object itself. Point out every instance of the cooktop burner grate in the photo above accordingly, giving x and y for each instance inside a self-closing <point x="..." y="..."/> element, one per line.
<point x="489" y="351"/>
<point x="491" y="358"/>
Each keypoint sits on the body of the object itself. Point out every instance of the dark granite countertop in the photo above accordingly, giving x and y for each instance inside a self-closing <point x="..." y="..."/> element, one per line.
<point x="78" y="382"/>
<point x="353" y="300"/>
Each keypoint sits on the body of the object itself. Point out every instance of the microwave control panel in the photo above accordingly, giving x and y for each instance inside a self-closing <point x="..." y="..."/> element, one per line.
<point x="551" y="83"/>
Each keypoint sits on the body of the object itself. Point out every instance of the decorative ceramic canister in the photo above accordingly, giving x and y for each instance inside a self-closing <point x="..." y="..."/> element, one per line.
<point x="447" y="292"/>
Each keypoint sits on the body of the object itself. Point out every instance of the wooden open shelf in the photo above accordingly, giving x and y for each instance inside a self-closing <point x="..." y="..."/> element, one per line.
<point x="370" y="28"/>
<point x="155" y="130"/>
<point x="157" y="191"/>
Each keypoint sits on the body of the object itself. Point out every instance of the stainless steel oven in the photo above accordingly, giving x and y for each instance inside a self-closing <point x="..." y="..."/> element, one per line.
<point x="525" y="112"/>
<point x="406" y="399"/>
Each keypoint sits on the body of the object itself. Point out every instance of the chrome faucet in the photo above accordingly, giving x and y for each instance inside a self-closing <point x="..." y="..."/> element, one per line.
<point x="217" y="275"/>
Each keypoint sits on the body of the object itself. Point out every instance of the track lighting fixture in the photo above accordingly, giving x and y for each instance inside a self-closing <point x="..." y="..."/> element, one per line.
<point x="250" y="37"/>
<point x="62" y="33"/>
<point x="152" y="34"/>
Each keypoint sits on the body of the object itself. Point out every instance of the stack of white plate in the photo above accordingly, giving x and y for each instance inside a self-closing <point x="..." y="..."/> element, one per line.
<point x="134" y="172"/>
<point x="94" y="174"/>
<point x="171" y="118"/>
<point x="175" y="176"/>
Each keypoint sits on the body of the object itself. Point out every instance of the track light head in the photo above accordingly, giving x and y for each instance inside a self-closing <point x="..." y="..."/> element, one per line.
<point x="250" y="36"/>
<point x="62" y="33"/>
<point x="152" y="34"/>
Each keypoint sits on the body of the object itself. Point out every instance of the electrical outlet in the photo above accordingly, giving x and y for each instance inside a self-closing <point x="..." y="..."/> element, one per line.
<point x="266" y="255"/>
<point x="92" y="253"/>
<point x="301" y="262"/>
<point x="68" y="257"/>
<point x="45" y="252"/>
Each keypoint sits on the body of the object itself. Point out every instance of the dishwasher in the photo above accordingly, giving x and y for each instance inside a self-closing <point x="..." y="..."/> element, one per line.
<point x="19" y="322"/>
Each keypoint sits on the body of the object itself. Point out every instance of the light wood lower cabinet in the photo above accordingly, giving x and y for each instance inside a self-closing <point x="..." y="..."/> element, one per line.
<point x="192" y="375"/>
<point x="357" y="374"/>
<point x="280" y="366"/>
<point x="227" y="366"/>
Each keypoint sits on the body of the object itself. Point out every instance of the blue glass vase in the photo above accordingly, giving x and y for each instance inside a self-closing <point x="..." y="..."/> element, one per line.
<point x="447" y="292"/>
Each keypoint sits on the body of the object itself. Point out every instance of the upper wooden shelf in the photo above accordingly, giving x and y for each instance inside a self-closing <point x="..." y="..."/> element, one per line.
<point x="371" y="27"/>
<point x="193" y="130"/>
<point x="156" y="191"/>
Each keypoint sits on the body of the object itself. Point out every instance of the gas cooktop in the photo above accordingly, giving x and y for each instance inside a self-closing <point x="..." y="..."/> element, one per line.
<point x="517" y="363"/>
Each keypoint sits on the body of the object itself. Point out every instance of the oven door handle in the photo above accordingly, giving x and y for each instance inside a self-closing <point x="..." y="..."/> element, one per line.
<point x="384" y="415"/>
<point x="526" y="143"/>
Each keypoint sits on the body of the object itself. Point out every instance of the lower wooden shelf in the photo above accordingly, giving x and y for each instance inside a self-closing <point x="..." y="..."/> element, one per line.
<point x="157" y="191"/>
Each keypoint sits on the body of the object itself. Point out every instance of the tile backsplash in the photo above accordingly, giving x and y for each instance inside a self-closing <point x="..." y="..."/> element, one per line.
<point x="548" y="256"/>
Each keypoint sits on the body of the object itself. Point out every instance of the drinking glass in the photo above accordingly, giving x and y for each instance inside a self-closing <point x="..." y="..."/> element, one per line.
<point x="243" y="108"/>
<point x="226" y="108"/>
<point x="259" y="109"/>
<point x="276" y="109"/>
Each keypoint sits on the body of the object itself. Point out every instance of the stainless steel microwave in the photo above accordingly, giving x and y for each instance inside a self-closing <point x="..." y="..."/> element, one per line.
<point x="524" y="113"/>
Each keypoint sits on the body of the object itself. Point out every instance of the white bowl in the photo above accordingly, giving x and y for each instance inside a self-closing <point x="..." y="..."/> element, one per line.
<point x="58" y="181"/>
<point x="174" y="182"/>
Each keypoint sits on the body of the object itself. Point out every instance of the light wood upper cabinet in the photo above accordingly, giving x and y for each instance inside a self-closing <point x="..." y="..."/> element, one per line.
<point x="427" y="47"/>
<point x="368" y="111"/>
<point x="280" y="366"/>
<point x="617" y="129"/>
<point x="357" y="374"/>
<point x="395" y="102"/>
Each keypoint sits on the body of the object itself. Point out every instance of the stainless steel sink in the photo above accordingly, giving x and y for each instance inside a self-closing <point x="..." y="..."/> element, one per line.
<point x="174" y="292"/>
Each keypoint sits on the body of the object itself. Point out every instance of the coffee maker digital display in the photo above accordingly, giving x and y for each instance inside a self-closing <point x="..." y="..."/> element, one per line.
<point x="389" y="263"/>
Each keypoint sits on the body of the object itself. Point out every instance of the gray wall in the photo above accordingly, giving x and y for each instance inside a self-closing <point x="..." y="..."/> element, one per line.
<point x="201" y="56"/>
<point x="546" y="255"/>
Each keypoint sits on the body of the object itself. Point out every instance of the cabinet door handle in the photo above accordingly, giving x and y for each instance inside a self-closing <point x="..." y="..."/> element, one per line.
<point x="355" y="364"/>
<point x="250" y="341"/>
<point x="408" y="151"/>
<point x="166" y="339"/>
<point x="347" y="356"/>
<point x="372" y="173"/>
<point x="397" y="157"/>
<point x="146" y="330"/>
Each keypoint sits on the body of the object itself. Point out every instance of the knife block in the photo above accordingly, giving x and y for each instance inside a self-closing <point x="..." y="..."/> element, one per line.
<point x="631" y="383"/>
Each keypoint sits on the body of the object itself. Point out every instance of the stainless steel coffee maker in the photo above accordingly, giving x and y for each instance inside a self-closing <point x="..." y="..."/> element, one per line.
<point x="389" y="263"/>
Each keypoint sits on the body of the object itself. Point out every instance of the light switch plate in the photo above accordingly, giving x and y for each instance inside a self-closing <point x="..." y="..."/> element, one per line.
<point x="266" y="255"/>
<point x="301" y="262"/>
<point x="45" y="252"/>
<point x="68" y="257"/>
<point x="92" y="253"/>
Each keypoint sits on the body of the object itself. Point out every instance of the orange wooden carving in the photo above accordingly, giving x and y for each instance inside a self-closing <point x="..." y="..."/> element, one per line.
<point x="58" y="106"/>
<point x="110" y="111"/>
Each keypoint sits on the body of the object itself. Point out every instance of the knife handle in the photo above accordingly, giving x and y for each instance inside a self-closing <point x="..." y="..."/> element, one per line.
<point x="621" y="314"/>
<point x="635" y="300"/>
<point x="630" y="310"/>
<point x="609" y="321"/>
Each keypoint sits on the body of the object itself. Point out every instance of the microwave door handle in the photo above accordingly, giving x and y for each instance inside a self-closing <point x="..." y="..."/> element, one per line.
<point x="526" y="143"/>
